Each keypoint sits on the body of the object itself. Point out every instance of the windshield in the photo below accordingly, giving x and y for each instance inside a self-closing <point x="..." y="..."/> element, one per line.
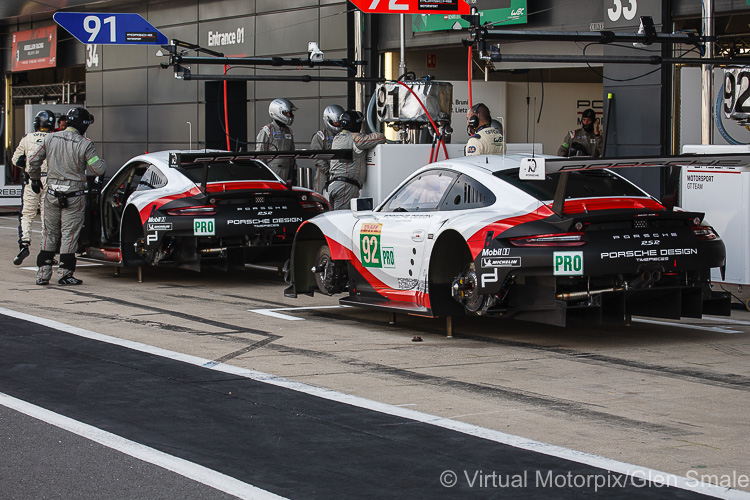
<point x="581" y="184"/>
<point x="229" y="171"/>
<point x="422" y="193"/>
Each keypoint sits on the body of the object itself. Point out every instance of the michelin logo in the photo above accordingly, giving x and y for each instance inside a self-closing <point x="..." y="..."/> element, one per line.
<point x="510" y="262"/>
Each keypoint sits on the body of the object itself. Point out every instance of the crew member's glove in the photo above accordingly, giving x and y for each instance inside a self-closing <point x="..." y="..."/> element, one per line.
<point x="21" y="163"/>
<point x="36" y="185"/>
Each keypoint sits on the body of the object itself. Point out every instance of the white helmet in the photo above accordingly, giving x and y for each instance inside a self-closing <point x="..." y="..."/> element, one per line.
<point x="282" y="110"/>
<point x="331" y="117"/>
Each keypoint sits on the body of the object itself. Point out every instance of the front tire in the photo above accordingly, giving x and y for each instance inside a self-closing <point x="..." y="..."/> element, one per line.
<point x="330" y="277"/>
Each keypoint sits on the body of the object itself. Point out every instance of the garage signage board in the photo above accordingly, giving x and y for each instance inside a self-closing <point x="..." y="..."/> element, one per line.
<point x="110" y="28"/>
<point x="457" y="7"/>
<point x="34" y="49"/>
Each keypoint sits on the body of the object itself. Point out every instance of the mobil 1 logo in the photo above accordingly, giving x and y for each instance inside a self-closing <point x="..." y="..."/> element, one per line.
<point x="567" y="263"/>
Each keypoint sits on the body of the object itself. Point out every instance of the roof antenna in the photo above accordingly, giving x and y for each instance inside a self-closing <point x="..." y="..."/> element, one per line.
<point x="533" y="133"/>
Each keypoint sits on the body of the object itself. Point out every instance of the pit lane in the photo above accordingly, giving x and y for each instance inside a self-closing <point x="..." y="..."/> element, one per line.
<point x="663" y="395"/>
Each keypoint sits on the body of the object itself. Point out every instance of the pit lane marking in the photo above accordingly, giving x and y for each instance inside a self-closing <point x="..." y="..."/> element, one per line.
<point x="716" y="329"/>
<point x="89" y="264"/>
<point x="185" y="468"/>
<point x="637" y="472"/>
<point x="272" y="312"/>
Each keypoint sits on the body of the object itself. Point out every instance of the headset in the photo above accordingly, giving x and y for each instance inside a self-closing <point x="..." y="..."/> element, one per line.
<point x="473" y="121"/>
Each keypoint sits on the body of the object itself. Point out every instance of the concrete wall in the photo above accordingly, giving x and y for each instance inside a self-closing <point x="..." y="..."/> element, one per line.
<point x="141" y="107"/>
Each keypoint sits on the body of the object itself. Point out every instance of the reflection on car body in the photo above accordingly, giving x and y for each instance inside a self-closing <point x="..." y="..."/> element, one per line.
<point x="468" y="236"/>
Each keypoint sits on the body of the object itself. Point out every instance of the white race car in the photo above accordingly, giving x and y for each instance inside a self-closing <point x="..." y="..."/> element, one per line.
<point x="468" y="235"/>
<point x="197" y="209"/>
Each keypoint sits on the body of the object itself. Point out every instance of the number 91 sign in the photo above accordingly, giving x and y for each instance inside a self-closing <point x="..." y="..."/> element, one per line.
<point x="737" y="93"/>
<point x="109" y="28"/>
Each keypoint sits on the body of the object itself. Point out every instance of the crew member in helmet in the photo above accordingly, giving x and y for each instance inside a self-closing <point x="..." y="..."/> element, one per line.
<point x="69" y="156"/>
<point x="44" y="121"/>
<point x="484" y="139"/>
<point x="585" y="141"/>
<point x="323" y="140"/>
<point x="277" y="136"/>
<point x="346" y="178"/>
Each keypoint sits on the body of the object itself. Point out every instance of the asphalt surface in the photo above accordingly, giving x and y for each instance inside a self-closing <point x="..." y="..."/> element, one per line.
<point x="246" y="392"/>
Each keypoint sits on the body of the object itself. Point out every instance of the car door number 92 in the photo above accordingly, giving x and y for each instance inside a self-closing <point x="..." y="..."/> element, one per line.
<point x="370" y="245"/>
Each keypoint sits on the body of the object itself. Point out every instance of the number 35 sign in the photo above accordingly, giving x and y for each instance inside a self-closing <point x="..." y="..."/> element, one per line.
<point x="109" y="28"/>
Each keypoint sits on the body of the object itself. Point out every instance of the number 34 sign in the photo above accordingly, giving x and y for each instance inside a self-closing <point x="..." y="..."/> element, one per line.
<point x="109" y="28"/>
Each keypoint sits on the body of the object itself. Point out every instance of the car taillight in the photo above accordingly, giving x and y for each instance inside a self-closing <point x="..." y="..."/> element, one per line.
<point x="705" y="233"/>
<point x="550" y="240"/>
<point x="313" y="203"/>
<point x="200" y="210"/>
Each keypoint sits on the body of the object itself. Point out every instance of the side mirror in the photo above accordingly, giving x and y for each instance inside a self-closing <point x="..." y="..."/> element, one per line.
<point x="362" y="207"/>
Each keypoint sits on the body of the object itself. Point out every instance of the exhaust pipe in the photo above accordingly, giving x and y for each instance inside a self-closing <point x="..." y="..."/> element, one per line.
<point x="212" y="251"/>
<point x="586" y="294"/>
<point x="644" y="279"/>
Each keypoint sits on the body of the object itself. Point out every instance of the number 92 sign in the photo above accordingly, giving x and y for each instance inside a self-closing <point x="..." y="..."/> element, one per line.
<point x="737" y="93"/>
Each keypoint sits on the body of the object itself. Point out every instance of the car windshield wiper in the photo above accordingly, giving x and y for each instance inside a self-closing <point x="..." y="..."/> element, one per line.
<point x="400" y="209"/>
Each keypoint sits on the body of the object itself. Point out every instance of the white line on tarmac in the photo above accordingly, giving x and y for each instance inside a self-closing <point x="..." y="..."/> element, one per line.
<point x="272" y="312"/>
<point x="638" y="475"/>
<point x="193" y="471"/>
<point x="722" y="319"/>
<point x="717" y="329"/>
<point x="88" y="264"/>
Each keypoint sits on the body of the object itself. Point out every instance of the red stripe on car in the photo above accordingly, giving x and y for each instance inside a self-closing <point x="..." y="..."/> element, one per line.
<point x="340" y="252"/>
<point x="476" y="241"/>
<point x="220" y="187"/>
<point x="156" y="204"/>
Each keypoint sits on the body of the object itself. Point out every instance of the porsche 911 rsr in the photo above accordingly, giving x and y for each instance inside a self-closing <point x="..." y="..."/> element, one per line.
<point x="196" y="209"/>
<point x="470" y="236"/>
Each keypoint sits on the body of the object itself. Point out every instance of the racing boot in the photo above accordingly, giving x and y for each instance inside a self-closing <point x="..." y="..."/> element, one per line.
<point x="65" y="271"/>
<point x="67" y="278"/>
<point x="44" y="262"/>
<point x="22" y="254"/>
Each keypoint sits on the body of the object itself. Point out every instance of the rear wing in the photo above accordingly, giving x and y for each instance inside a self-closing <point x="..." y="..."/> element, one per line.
<point x="537" y="167"/>
<point x="177" y="159"/>
<point x="180" y="159"/>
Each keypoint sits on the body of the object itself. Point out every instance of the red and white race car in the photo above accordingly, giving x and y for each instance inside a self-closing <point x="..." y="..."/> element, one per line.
<point x="196" y="209"/>
<point x="469" y="235"/>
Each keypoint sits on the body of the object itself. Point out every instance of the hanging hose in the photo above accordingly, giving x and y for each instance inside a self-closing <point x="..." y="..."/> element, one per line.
<point x="469" y="77"/>
<point x="226" y="111"/>
<point x="720" y="123"/>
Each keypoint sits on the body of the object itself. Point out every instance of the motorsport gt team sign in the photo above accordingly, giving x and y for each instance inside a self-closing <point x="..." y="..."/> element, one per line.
<point x="109" y="28"/>
<point x="413" y="6"/>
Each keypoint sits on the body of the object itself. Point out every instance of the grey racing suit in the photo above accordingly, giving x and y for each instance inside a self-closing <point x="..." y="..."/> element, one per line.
<point x="485" y="141"/>
<point x="347" y="178"/>
<point x="273" y="137"/>
<point x="581" y="143"/>
<point x="323" y="139"/>
<point x="30" y="202"/>
<point x="69" y="155"/>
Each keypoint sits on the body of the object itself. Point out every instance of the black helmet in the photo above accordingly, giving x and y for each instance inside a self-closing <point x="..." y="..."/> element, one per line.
<point x="351" y="120"/>
<point x="44" y="119"/>
<point x="80" y="119"/>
